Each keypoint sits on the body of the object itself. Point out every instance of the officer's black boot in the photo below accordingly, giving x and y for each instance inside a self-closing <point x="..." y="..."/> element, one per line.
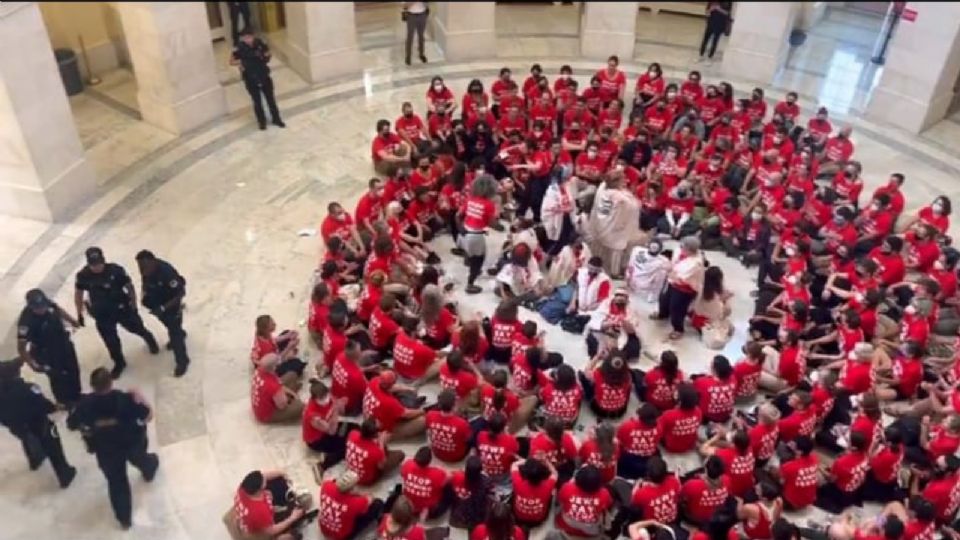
<point x="33" y="450"/>
<point x="118" y="368"/>
<point x="152" y="344"/>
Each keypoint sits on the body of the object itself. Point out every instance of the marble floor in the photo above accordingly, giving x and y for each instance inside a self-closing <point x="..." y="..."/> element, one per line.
<point x="226" y="203"/>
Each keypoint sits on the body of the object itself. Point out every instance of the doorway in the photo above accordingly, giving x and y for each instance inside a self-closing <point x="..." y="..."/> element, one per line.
<point x="217" y="15"/>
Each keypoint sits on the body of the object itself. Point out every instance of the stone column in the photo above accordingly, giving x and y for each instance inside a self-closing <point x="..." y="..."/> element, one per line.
<point x="608" y="28"/>
<point x="322" y="40"/>
<point x="464" y="30"/>
<point x="43" y="169"/>
<point x="758" y="43"/>
<point x="922" y="67"/>
<point x="169" y="46"/>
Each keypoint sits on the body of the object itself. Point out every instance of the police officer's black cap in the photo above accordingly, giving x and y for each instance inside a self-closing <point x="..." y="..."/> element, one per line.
<point x="37" y="299"/>
<point x="95" y="255"/>
<point x="145" y="255"/>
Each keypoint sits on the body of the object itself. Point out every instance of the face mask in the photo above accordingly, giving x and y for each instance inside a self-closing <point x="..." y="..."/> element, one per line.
<point x="385" y="134"/>
<point x="424" y="167"/>
<point x="341" y="216"/>
<point x="538" y="132"/>
<point x="378" y="193"/>
<point x="791" y="252"/>
<point x="771" y="183"/>
<point x="565" y="76"/>
<point x="792" y="280"/>
<point x="841" y="135"/>
<point x="875" y="207"/>
<point x="725" y="120"/>
<point x="757" y="97"/>
<point x="604" y="138"/>
<point x="574" y="130"/>
<point x="591" y="154"/>
<point x="437" y="87"/>
<point x="848" y="174"/>
<point x="756" y="216"/>
<point x="938" y="208"/>
<point x="910" y="310"/>
<point x="938" y="265"/>
<point x="682" y="193"/>
<point x="408" y="114"/>
<point x="777" y="140"/>
<point x="620" y="303"/>
<point x="838" y="220"/>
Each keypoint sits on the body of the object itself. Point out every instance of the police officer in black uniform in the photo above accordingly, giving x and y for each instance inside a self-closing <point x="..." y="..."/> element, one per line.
<point x="25" y="411"/>
<point x="112" y="301"/>
<point x="114" y="426"/>
<point x="253" y="55"/>
<point x="163" y="291"/>
<point x="44" y="344"/>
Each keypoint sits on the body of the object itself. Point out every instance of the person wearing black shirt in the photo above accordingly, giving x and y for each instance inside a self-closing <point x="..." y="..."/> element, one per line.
<point x="44" y="344"/>
<point x="25" y="411"/>
<point x="253" y="55"/>
<point x="114" y="426"/>
<point x="112" y="300"/>
<point x="163" y="291"/>
<point x="718" y="19"/>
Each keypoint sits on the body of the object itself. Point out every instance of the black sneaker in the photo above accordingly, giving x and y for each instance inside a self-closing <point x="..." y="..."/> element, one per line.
<point x="34" y="465"/>
<point x="151" y="473"/>
<point x="125" y="525"/>
<point x="263" y="127"/>
<point x="458" y="252"/>
<point x="279" y="123"/>
<point x="473" y="289"/>
<point x="407" y="61"/>
<point x="311" y="515"/>
<point x="433" y="258"/>
<point x="117" y="370"/>
<point x="493" y="271"/>
<point x="423" y="58"/>
<point x="67" y="478"/>
<point x="180" y="370"/>
<point x="152" y="345"/>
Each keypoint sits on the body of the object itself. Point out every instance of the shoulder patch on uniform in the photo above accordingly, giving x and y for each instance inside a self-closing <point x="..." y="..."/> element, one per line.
<point x="174" y="284"/>
<point x="35" y="389"/>
<point x="23" y="330"/>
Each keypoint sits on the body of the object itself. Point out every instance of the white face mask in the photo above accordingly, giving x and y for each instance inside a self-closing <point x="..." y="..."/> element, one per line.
<point x="791" y="252"/>
<point x="591" y="154"/>
<point x="910" y="310"/>
<point x="938" y="265"/>
<point x="437" y="87"/>
<point x="937" y="207"/>
<point x="565" y="76"/>
<point x="756" y="216"/>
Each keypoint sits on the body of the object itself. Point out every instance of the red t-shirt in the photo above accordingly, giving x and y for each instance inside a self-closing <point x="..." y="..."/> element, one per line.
<point x="800" y="480"/>
<point x="331" y="227"/>
<point x="462" y="382"/>
<point x="660" y="393"/>
<point x="838" y="149"/>
<point x="564" y="404"/>
<point x="611" y="85"/>
<point x="363" y="457"/>
<point x="909" y="371"/>
<point x="747" y="375"/>
<point x="448" y="435"/>
<point x="850" y="470"/>
<point x="478" y="213"/>
<point x="502" y="332"/>
<point x="416" y="532"/>
<point x="334" y="342"/>
<point x="702" y="500"/>
<point x="531" y="503"/>
<point x="799" y="422"/>
<point x="265" y="385"/>
<point x="580" y="507"/>
<point x="608" y="397"/>
<point x="382" y="328"/>
<point x="440" y="329"/>
<point x="411" y="127"/>
<point x="348" y="382"/>
<point x="511" y="402"/>
<point x="339" y="511"/>
<point x="262" y="346"/>
<point x="763" y="440"/>
<point x="411" y="358"/>
<point x="497" y="454"/>
<point x="937" y="221"/>
<point x="942" y="443"/>
<point x="423" y="486"/>
<point x="313" y="411"/>
<point x="253" y="515"/>
<point x="637" y="438"/>
<point x="739" y="469"/>
<point x="389" y="143"/>
<point x="856" y="377"/>
<point x="480" y="533"/>
<point x="659" y="502"/>
<point x="944" y="494"/>
<point x="319" y="317"/>
<point x="565" y="451"/>
<point x="679" y="429"/>
<point x="382" y="405"/>
<point x="885" y="465"/>
<point x="716" y="397"/>
<point x="590" y="455"/>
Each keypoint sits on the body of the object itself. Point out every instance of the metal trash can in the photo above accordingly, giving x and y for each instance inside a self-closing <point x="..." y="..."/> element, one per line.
<point x="69" y="71"/>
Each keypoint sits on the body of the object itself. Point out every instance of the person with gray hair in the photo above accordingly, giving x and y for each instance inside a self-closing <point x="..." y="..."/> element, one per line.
<point x="684" y="283"/>
<point x="477" y="213"/>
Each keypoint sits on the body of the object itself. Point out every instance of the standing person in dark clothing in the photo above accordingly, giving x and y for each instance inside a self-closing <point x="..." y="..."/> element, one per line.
<point x="253" y="55"/>
<point x="44" y="344"/>
<point x="718" y="19"/>
<point x="112" y="300"/>
<point x="415" y="15"/>
<point x="163" y="291"/>
<point x="25" y="411"/>
<point x="236" y="10"/>
<point x="114" y="426"/>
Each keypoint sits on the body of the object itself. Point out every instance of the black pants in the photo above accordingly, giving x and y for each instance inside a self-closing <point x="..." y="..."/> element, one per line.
<point x="264" y="86"/>
<point x="41" y="440"/>
<point x="131" y="321"/>
<point x="416" y="23"/>
<point x="675" y="303"/>
<point x="631" y="349"/>
<point x="237" y="9"/>
<point x="113" y="463"/>
<point x="632" y="466"/>
<point x="712" y="34"/>
<point x="589" y="393"/>
<point x="63" y="371"/>
<point x="372" y="516"/>
<point x="334" y="445"/>
<point x="533" y="199"/>
<point x="172" y="319"/>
